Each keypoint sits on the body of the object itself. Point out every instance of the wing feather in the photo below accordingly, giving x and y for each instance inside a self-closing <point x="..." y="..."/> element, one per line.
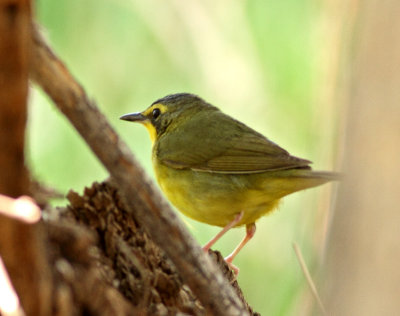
<point x="214" y="142"/>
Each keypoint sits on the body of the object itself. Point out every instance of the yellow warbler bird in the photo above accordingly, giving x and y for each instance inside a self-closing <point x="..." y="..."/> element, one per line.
<point x="216" y="169"/>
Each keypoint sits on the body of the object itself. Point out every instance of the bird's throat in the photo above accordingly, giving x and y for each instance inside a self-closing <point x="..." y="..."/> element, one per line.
<point x="152" y="130"/>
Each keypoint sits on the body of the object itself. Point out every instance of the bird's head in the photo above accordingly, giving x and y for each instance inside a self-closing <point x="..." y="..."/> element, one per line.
<point x="169" y="111"/>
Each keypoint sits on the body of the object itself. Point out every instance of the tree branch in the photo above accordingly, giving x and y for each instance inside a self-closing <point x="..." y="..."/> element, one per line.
<point x="128" y="258"/>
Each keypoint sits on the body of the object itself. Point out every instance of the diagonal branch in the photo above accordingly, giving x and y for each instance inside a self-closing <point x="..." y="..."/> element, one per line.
<point x="149" y="208"/>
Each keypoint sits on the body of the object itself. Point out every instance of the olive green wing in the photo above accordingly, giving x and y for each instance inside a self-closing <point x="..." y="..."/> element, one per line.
<point x="214" y="142"/>
<point x="251" y="154"/>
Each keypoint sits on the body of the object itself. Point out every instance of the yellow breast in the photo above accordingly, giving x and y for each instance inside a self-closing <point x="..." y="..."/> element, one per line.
<point x="213" y="198"/>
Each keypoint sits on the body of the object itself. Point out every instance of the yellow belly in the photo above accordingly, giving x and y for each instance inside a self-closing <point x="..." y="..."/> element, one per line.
<point x="215" y="198"/>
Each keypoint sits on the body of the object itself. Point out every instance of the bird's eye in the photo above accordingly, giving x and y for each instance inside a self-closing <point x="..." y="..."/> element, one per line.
<point x="156" y="113"/>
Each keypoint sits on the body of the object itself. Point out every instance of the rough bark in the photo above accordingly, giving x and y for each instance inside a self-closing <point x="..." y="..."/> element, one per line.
<point x="93" y="258"/>
<point x="130" y="260"/>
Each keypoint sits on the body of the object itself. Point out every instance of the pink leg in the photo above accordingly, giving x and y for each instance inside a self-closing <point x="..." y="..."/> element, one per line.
<point x="250" y="231"/>
<point x="236" y="220"/>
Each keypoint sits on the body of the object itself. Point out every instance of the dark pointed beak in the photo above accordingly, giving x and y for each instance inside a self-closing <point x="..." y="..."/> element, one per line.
<point x="133" y="117"/>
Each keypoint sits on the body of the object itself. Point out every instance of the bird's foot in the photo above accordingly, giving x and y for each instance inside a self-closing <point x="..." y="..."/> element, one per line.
<point x="233" y="223"/>
<point x="234" y="268"/>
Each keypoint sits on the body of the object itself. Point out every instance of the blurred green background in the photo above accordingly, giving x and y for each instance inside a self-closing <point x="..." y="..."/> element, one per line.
<point x="259" y="61"/>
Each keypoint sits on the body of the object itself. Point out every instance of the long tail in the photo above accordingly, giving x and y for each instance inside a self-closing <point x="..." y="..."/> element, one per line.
<point x="323" y="175"/>
<point x="293" y="180"/>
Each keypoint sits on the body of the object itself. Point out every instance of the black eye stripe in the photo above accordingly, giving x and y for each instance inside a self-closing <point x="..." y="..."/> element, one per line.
<point x="156" y="113"/>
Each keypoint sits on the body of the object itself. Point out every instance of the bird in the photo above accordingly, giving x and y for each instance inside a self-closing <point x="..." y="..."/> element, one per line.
<point x="217" y="170"/>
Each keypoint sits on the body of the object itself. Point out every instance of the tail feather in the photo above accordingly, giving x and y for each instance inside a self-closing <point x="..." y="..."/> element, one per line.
<point x="285" y="183"/>
<point x="327" y="175"/>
